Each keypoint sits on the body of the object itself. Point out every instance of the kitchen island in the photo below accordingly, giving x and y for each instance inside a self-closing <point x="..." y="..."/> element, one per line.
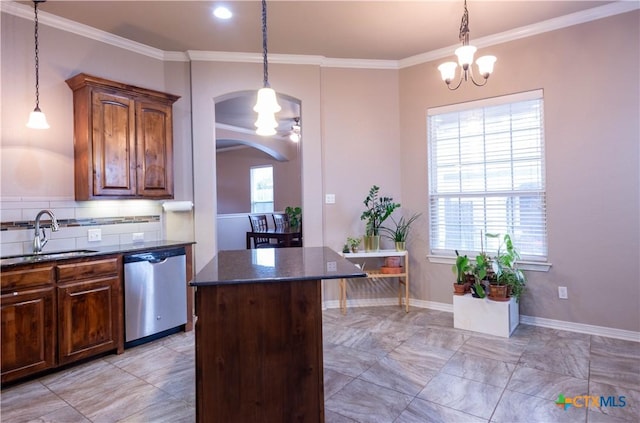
<point x="259" y="334"/>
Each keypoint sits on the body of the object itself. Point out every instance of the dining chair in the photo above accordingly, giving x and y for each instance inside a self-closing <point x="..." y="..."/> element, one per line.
<point x="281" y="222"/>
<point x="259" y="224"/>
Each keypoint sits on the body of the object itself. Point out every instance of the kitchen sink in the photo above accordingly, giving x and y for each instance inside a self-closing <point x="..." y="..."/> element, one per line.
<point x="54" y="255"/>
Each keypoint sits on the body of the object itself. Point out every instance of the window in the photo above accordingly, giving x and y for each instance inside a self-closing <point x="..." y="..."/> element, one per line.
<point x="261" y="189"/>
<point x="486" y="175"/>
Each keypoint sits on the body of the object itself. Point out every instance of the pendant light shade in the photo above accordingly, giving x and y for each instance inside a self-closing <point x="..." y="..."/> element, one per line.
<point x="37" y="119"/>
<point x="267" y="102"/>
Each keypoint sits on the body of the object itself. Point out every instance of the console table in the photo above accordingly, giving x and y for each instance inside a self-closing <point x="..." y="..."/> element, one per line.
<point x="403" y="276"/>
<point x="259" y="334"/>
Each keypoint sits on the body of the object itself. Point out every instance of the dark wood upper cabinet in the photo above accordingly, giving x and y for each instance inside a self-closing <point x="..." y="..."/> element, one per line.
<point x="123" y="140"/>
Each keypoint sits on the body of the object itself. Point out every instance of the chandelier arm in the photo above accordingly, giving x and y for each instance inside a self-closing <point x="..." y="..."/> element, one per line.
<point x="265" y="64"/>
<point x="476" y="83"/>
<point x="457" y="86"/>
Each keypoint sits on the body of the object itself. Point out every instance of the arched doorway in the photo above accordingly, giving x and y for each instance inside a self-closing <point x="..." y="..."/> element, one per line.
<point x="239" y="149"/>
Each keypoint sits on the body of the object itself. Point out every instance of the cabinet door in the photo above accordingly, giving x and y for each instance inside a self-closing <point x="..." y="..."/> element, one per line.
<point x="154" y="149"/>
<point x="113" y="141"/>
<point x="88" y="318"/>
<point x="28" y="332"/>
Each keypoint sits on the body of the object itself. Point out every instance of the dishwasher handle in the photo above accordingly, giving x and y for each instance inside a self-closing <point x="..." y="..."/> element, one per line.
<point x="156" y="256"/>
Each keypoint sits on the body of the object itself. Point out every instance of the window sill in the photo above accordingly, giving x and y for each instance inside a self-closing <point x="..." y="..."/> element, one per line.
<point x="535" y="266"/>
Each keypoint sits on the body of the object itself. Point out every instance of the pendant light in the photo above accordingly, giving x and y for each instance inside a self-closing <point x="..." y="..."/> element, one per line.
<point x="37" y="119"/>
<point x="267" y="103"/>
<point x="465" y="59"/>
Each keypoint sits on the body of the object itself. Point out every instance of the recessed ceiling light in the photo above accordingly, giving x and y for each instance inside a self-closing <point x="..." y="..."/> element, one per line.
<point x="222" y="12"/>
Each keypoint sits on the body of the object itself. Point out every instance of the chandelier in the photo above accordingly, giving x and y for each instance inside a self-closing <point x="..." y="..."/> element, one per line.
<point x="465" y="59"/>
<point x="267" y="104"/>
<point x="37" y="119"/>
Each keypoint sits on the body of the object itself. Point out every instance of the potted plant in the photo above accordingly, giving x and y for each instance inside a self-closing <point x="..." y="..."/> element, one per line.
<point x="400" y="231"/>
<point x="378" y="209"/>
<point x="510" y="280"/>
<point x="461" y="268"/>
<point x="479" y="271"/>
<point x="353" y="244"/>
<point x="295" y="216"/>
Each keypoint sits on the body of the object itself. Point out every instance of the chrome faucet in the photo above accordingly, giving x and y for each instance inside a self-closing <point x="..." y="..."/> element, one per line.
<point x="40" y="241"/>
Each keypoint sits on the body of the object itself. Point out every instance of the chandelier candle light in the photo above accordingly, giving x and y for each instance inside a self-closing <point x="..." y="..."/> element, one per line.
<point x="465" y="59"/>
<point x="37" y="119"/>
<point x="267" y="104"/>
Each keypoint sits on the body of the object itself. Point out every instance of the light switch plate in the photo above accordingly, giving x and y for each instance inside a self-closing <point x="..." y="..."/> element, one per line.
<point x="94" y="235"/>
<point x="138" y="237"/>
<point x="330" y="198"/>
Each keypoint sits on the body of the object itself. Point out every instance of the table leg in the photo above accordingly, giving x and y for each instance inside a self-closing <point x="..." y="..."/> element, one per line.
<point x="343" y="296"/>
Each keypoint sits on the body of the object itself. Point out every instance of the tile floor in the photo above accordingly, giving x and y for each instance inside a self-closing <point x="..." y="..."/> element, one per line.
<point x="381" y="365"/>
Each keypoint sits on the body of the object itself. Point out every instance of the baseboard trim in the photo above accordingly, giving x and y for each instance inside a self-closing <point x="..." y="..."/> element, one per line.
<point x="626" y="335"/>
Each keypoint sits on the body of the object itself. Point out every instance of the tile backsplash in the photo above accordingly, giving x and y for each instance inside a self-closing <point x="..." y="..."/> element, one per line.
<point x="117" y="220"/>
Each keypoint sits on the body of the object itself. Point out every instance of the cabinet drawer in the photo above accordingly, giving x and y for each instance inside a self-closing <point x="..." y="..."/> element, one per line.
<point x="27" y="277"/>
<point x="88" y="269"/>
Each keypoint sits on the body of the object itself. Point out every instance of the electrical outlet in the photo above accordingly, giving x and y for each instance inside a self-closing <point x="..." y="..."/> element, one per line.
<point x="138" y="237"/>
<point x="330" y="199"/>
<point x="562" y="293"/>
<point x="94" y="235"/>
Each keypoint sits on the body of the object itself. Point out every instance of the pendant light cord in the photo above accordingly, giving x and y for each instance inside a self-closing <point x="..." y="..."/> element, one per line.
<point x="35" y="8"/>
<point x="265" y="64"/>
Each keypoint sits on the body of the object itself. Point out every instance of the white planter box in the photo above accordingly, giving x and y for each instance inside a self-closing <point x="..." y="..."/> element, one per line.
<point x="483" y="315"/>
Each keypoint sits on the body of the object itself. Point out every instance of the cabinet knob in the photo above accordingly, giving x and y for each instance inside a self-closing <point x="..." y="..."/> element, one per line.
<point x="15" y="293"/>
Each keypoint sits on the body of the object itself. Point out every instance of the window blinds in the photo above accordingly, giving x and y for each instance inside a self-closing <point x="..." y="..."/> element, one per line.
<point x="486" y="175"/>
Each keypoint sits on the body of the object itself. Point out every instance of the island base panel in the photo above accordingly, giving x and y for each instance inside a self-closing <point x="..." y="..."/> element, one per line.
<point x="259" y="352"/>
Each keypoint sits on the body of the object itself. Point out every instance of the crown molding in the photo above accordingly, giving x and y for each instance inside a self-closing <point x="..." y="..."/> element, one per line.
<point x="26" y="12"/>
<point x="560" y="22"/>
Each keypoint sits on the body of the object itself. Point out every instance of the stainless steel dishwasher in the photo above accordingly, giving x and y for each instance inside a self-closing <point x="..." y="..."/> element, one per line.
<point x="155" y="293"/>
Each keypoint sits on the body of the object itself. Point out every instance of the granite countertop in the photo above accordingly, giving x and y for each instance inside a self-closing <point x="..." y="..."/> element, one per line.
<point x="275" y="265"/>
<point x="49" y="256"/>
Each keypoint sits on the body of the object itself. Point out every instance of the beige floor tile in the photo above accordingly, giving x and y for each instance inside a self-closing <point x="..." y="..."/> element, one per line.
<point x="66" y="414"/>
<point x="171" y="411"/>
<point x="566" y="356"/>
<point x="334" y="381"/>
<point x="486" y="370"/>
<point x="515" y="407"/>
<point x="620" y="403"/>
<point x="368" y="403"/>
<point x="468" y="396"/>
<point x="28" y="401"/>
<point x="545" y="384"/>
<point x="421" y="411"/>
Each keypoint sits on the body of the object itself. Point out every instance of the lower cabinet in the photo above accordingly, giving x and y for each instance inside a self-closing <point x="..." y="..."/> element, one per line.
<point x="87" y="318"/>
<point x="28" y="332"/>
<point x="59" y="313"/>
<point x="89" y="308"/>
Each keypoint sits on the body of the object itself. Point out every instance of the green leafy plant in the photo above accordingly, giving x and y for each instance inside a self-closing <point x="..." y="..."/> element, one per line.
<point x="353" y="243"/>
<point x="295" y="216"/>
<point x="461" y="268"/>
<point x="378" y="209"/>
<point x="506" y="268"/>
<point x="400" y="231"/>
